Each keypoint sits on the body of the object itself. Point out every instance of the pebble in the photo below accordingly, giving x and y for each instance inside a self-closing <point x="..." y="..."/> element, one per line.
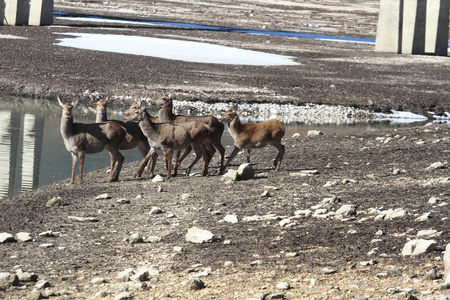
<point x="103" y="197"/>
<point x="55" y="201"/>
<point x="198" y="236"/>
<point x="23" y="237"/>
<point x="282" y="286"/>
<point x="6" y="238"/>
<point x="231" y="219"/>
<point x="195" y="284"/>
<point x="158" y="178"/>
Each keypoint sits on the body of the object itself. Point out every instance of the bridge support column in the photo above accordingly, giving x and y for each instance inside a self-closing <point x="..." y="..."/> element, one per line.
<point x="16" y="12"/>
<point x="41" y="12"/>
<point x="413" y="27"/>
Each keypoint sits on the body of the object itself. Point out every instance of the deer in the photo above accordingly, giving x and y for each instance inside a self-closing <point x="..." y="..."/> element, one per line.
<point x="81" y="139"/>
<point x="250" y="136"/>
<point x="169" y="138"/>
<point x="213" y="142"/>
<point x="133" y="137"/>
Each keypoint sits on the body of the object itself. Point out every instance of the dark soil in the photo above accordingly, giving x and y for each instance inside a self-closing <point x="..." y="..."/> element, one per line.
<point x="362" y="166"/>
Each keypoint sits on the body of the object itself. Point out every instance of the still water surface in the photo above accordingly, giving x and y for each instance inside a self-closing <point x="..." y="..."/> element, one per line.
<point x="32" y="152"/>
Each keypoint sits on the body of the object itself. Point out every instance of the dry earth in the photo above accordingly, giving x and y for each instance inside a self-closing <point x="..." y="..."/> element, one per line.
<point x="378" y="170"/>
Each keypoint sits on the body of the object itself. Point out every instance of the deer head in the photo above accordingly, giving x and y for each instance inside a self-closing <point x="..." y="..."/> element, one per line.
<point x="229" y="115"/>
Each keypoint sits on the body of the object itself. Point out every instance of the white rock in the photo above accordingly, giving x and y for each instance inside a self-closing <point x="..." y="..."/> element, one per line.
<point x="330" y="183"/>
<point x="303" y="213"/>
<point x="135" y="238"/>
<point x="55" y="201"/>
<point x="123" y="201"/>
<point x="296" y="135"/>
<point x="82" y="219"/>
<point x="6" y="237"/>
<point x="155" y="210"/>
<point x="438" y="165"/>
<point x="8" y="279"/>
<point x="416" y="247"/>
<point x="433" y="200"/>
<point x="142" y="275"/>
<point x="98" y="280"/>
<point x="245" y="172"/>
<point x="346" y="210"/>
<point x="23" y="237"/>
<point x="125" y="275"/>
<point x="198" y="236"/>
<point x="287" y="223"/>
<point x="158" y="178"/>
<point x="230" y="176"/>
<point x="423" y="217"/>
<point x="312" y="133"/>
<point x="252" y="218"/>
<point x="123" y="296"/>
<point x="282" y="286"/>
<point x="103" y="197"/>
<point x="447" y="264"/>
<point x="429" y="233"/>
<point x="231" y="219"/>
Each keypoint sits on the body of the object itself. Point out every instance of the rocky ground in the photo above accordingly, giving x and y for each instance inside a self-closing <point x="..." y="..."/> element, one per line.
<point x="279" y="235"/>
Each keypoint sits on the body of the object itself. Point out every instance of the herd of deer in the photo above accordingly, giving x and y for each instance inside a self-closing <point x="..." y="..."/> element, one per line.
<point x="167" y="132"/>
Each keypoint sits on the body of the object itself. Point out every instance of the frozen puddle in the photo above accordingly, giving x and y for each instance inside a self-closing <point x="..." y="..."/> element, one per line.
<point x="174" y="49"/>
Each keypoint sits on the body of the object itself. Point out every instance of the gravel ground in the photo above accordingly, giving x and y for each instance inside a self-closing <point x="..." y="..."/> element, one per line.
<point x="320" y="256"/>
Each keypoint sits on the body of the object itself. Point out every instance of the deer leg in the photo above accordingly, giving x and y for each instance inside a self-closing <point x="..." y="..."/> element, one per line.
<point x="168" y="154"/>
<point x="221" y="150"/>
<point x="186" y="152"/>
<point x="119" y="166"/>
<point x="207" y="155"/>
<point x="144" y="162"/>
<point x="198" y="155"/>
<point x="248" y="156"/>
<point x="233" y="154"/>
<point x="279" y="158"/>
<point x="74" y="166"/>
<point x="82" y="156"/>
<point x="177" y="162"/>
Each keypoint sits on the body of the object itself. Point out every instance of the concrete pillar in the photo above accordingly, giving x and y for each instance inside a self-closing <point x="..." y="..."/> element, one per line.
<point x="2" y="11"/>
<point x="41" y="12"/>
<point x="16" y="12"/>
<point x="436" y="33"/>
<point x="389" y="27"/>
<point x="413" y="27"/>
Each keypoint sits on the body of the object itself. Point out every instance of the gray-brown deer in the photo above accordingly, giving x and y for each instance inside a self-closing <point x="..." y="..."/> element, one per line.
<point x="81" y="139"/>
<point x="169" y="138"/>
<point x="258" y="135"/>
<point x="134" y="136"/>
<point x="212" y="143"/>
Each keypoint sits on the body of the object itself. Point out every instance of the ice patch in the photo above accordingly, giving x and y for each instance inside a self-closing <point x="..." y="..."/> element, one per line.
<point x="400" y="117"/>
<point x="174" y="49"/>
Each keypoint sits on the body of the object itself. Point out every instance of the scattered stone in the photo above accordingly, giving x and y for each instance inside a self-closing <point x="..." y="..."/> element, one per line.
<point x="429" y="233"/>
<point x="140" y="276"/>
<point x="42" y="284"/>
<point x="265" y="194"/>
<point x="155" y="210"/>
<point x="390" y="214"/>
<point x="47" y="233"/>
<point x="433" y="274"/>
<point x="406" y="296"/>
<point x="35" y="295"/>
<point x="447" y="264"/>
<point x="199" y="236"/>
<point x="296" y="135"/>
<point x="283" y="286"/>
<point x="252" y="218"/>
<point x="245" y="172"/>
<point x="291" y="254"/>
<point x="275" y="296"/>
<point x="303" y="213"/>
<point x="124" y="276"/>
<point x="195" y="284"/>
<point x="231" y="219"/>
<point x="379" y="233"/>
<point x="160" y="189"/>
<point x="98" y="280"/>
<point x="312" y="133"/>
<point x="26" y="276"/>
<point x="103" y="294"/>
<point x="103" y="197"/>
<point x="158" y="178"/>
<point x="8" y="279"/>
<point x="271" y="188"/>
<point x="55" y="201"/>
<point x="47" y="245"/>
<point x="346" y="210"/>
<point x="287" y="223"/>
<point x="423" y="217"/>
<point x="178" y="249"/>
<point x="438" y="165"/>
<point x="123" y="201"/>
<point x="328" y="271"/>
<point x="135" y="238"/>
<point x="416" y="247"/>
<point x="6" y="238"/>
<point x="153" y="239"/>
<point x="23" y="237"/>
<point x="123" y="296"/>
<point x="228" y="264"/>
<point x="230" y="176"/>
<point x="330" y="184"/>
<point x="83" y="219"/>
<point x="185" y="196"/>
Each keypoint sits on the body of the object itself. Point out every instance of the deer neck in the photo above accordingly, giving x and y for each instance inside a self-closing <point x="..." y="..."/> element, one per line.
<point x="235" y="126"/>
<point x="165" y="114"/>
<point x="147" y="126"/>
<point x="101" y="117"/>
<point x="67" y="127"/>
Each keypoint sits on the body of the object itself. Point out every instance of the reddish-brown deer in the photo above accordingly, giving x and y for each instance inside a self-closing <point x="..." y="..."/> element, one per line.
<point x="81" y="139"/>
<point x="134" y="136"/>
<point x="212" y="143"/>
<point x="168" y="138"/>
<point x="258" y="135"/>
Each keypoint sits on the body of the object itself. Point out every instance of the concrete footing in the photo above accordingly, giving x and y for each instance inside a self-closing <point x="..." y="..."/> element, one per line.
<point x="22" y="12"/>
<point x="413" y="27"/>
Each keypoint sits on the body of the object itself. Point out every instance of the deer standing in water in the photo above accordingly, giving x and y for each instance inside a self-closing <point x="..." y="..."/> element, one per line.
<point x="81" y="139"/>
<point x="212" y="143"/>
<point x="258" y="135"/>
<point x="169" y="138"/>
<point x="134" y="136"/>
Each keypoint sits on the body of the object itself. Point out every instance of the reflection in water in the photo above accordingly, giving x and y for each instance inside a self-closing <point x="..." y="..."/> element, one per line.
<point x="5" y="152"/>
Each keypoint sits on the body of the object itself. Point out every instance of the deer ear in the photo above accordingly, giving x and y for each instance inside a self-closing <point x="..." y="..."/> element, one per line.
<point x="74" y="102"/>
<point x="107" y="98"/>
<point x="60" y="102"/>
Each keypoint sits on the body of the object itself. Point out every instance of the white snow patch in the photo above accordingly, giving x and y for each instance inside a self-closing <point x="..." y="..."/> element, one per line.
<point x="174" y="49"/>
<point x="400" y="117"/>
